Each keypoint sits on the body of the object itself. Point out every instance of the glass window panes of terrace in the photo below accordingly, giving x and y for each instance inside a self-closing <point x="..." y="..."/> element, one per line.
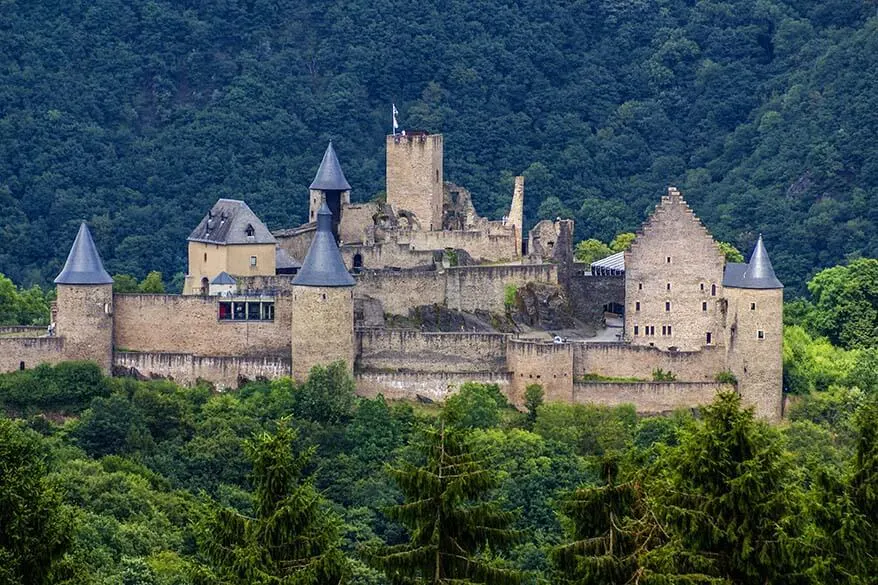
<point x="246" y="311"/>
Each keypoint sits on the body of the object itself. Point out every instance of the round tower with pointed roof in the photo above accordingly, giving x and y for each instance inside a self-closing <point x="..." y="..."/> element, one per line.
<point x="754" y="331"/>
<point x="331" y="187"/>
<point x="323" y="304"/>
<point x="85" y="304"/>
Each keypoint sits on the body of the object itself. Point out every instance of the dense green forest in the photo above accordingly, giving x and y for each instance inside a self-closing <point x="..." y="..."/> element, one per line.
<point x="137" y="115"/>
<point x="123" y="482"/>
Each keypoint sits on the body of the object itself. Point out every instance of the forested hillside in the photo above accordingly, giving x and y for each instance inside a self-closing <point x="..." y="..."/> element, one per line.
<point x="136" y="115"/>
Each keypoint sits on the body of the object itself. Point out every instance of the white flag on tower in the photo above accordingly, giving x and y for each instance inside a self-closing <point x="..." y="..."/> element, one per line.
<point x="395" y="123"/>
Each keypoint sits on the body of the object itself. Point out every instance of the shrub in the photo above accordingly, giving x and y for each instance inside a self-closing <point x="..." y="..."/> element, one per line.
<point x="660" y="375"/>
<point x="726" y="377"/>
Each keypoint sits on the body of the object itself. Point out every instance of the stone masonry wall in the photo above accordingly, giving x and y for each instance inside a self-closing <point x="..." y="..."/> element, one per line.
<point x="481" y="245"/>
<point x="547" y="364"/>
<point x="483" y="288"/>
<point x="622" y="360"/>
<point x="399" y="291"/>
<point x="388" y="254"/>
<point x="407" y="350"/>
<point x="186" y="369"/>
<point x="190" y="324"/>
<point x="648" y="397"/>
<point x="434" y="386"/>
<point x="32" y="351"/>
<point x="415" y="180"/>
<point x="589" y="294"/>
<point x="85" y="321"/>
<point x="322" y="327"/>
<point x="674" y="272"/>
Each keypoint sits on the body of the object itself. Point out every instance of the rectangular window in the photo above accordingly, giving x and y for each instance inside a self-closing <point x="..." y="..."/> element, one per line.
<point x="252" y="260"/>
<point x="636" y="330"/>
<point x="639" y="286"/>
<point x="669" y="286"/>
<point x="669" y="259"/>
<point x="225" y="311"/>
<point x="669" y="330"/>
<point x="702" y="287"/>
<point x="268" y="311"/>
<point x="664" y="329"/>
<point x="239" y="310"/>
<point x="704" y="305"/>
<point x="760" y="334"/>
<point x="637" y="306"/>
<point x="667" y="305"/>
<point x="752" y="306"/>
<point x="709" y="338"/>
<point x="253" y="311"/>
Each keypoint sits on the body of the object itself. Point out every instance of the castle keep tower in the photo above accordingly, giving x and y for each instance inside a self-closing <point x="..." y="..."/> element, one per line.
<point x="323" y="304"/>
<point x="415" y="180"/>
<point x="673" y="281"/>
<point x="754" y="332"/>
<point x="330" y="186"/>
<point x="85" y="304"/>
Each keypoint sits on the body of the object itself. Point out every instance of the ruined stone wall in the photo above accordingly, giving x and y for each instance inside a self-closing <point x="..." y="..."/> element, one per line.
<point x="547" y="364"/>
<point x="389" y="254"/>
<point x="415" y="180"/>
<point x="589" y="294"/>
<point x="357" y="223"/>
<point x="187" y="369"/>
<point x="190" y="324"/>
<point x="408" y="350"/>
<point x="30" y="351"/>
<point x="85" y="321"/>
<point x="322" y="327"/>
<point x="436" y="386"/>
<point x="673" y="271"/>
<point x="482" y="245"/>
<point x="297" y="241"/>
<point x="622" y="360"/>
<point x="400" y="291"/>
<point x="483" y="288"/>
<point x="757" y="362"/>
<point x="278" y="284"/>
<point x="648" y="397"/>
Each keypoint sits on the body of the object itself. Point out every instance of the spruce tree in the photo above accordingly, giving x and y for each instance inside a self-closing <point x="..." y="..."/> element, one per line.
<point x="292" y="539"/>
<point x="454" y="530"/>
<point x="609" y="530"/>
<point x="726" y="500"/>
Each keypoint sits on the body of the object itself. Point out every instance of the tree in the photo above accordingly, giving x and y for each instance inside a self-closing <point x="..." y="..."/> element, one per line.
<point x="533" y="399"/>
<point x="455" y="532"/>
<point x="731" y="253"/>
<point x="35" y="527"/>
<point x="475" y="405"/>
<point x="725" y="497"/>
<point x="845" y="300"/>
<point x="292" y="539"/>
<point x="609" y="531"/>
<point x="327" y="396"/>
<point x="588" y="251"/>
<point x="125" y="283"/>
<point x="622" y="241"/>
<point x="152" y="284"/>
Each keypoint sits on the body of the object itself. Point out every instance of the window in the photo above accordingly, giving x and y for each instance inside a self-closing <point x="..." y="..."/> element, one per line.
<point x="669" y="259"/>
<point x="21" y="365"/>
<point x="752" y="306"/>
<point x="250" y="231"/>
<point x="704" y="305"/>
<point x="667" y="305"/>
<point x="639" y="286"/>
<point x="252" y="260"/>
<point x="702" y="287"/>
<point x="437" y="175"/>
<point x="713" y="290"/>
<point x="253" y="311"/>
<point x="636" y="330"/>
<point x="669" y="286"/>
<point x="760" y="334"/>
<point x="205" y="256"/>
<point x="664" y="330"/>
<point x="225" y="311"/>
<point x="239" y="311"/>
<point x="637" y="306"/>
<point x="709" y="338"/>
<point x="669" y="330"/>
<point x="246" y="311"/>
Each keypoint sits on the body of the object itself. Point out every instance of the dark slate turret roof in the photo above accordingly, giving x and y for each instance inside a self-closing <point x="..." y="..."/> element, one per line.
<point x="228" y="222"/>
<point x="758" y="273"/>
<point x="329" y="176"/>
<point x="83" y="264"/>
<point x="223" y="278"/>
<point x="323" y="265"/>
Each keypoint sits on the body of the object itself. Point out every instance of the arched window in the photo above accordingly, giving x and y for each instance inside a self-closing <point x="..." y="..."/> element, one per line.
<point x="205" y="286"/>
<point x="713" y="290"/>
<point x="358" y="262"/>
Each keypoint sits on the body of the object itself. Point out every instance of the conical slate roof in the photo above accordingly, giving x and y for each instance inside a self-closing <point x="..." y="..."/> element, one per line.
<point x="323" y="265"/>
<point x="758" y="273"/>
<point x="83" y="264"/>
<point x="329" y="176"/>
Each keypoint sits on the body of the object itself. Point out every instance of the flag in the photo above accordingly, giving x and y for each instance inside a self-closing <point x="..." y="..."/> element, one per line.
<point x="395" y="123"/>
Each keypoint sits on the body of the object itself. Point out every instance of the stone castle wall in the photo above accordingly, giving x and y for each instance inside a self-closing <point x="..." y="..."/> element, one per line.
<point x="590" y="294"/>
<point x="402" y="290"/>
<point x="415" y="180"/>
<point x="648" y="397"/>
<point x="548" y="364"/>
<point x="436" y="386"/>
<point x="85" y="321"/>
<point x="30" y="351"/>
<point x="186" y="369"/>
<point x="482" y="245"/>
<point x="393" y="350"/>
<point x="190" y="324"/>
<point x="483" y="288"/>
<point x="322" y="327"/>
<point x="389" y="254"/>
<point x="622" y="360"/>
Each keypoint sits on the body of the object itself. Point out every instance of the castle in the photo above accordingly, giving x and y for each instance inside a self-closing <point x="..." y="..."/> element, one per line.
<point x="417" y="294"/>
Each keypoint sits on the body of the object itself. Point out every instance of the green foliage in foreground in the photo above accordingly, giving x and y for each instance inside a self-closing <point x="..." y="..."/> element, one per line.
<point x="22" y="307"/>
<point x="150" y="483"/>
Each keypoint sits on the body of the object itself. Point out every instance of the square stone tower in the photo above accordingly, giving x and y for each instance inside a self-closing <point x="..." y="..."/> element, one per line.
<point x="415" y="178"/>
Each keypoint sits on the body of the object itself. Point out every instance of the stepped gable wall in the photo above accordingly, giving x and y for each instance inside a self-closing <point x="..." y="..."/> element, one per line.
<point x="391" y="350"/>
<point x="31" y="351"/>
<point x="435" y="386"/>
<point x="401" y="290"/>
<point x="483" y="288"/>
<point x="190" y="324"/>
<point x="224" y="372"/>
<point x="622" y="360"/>
<point x="648" y="397"/>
